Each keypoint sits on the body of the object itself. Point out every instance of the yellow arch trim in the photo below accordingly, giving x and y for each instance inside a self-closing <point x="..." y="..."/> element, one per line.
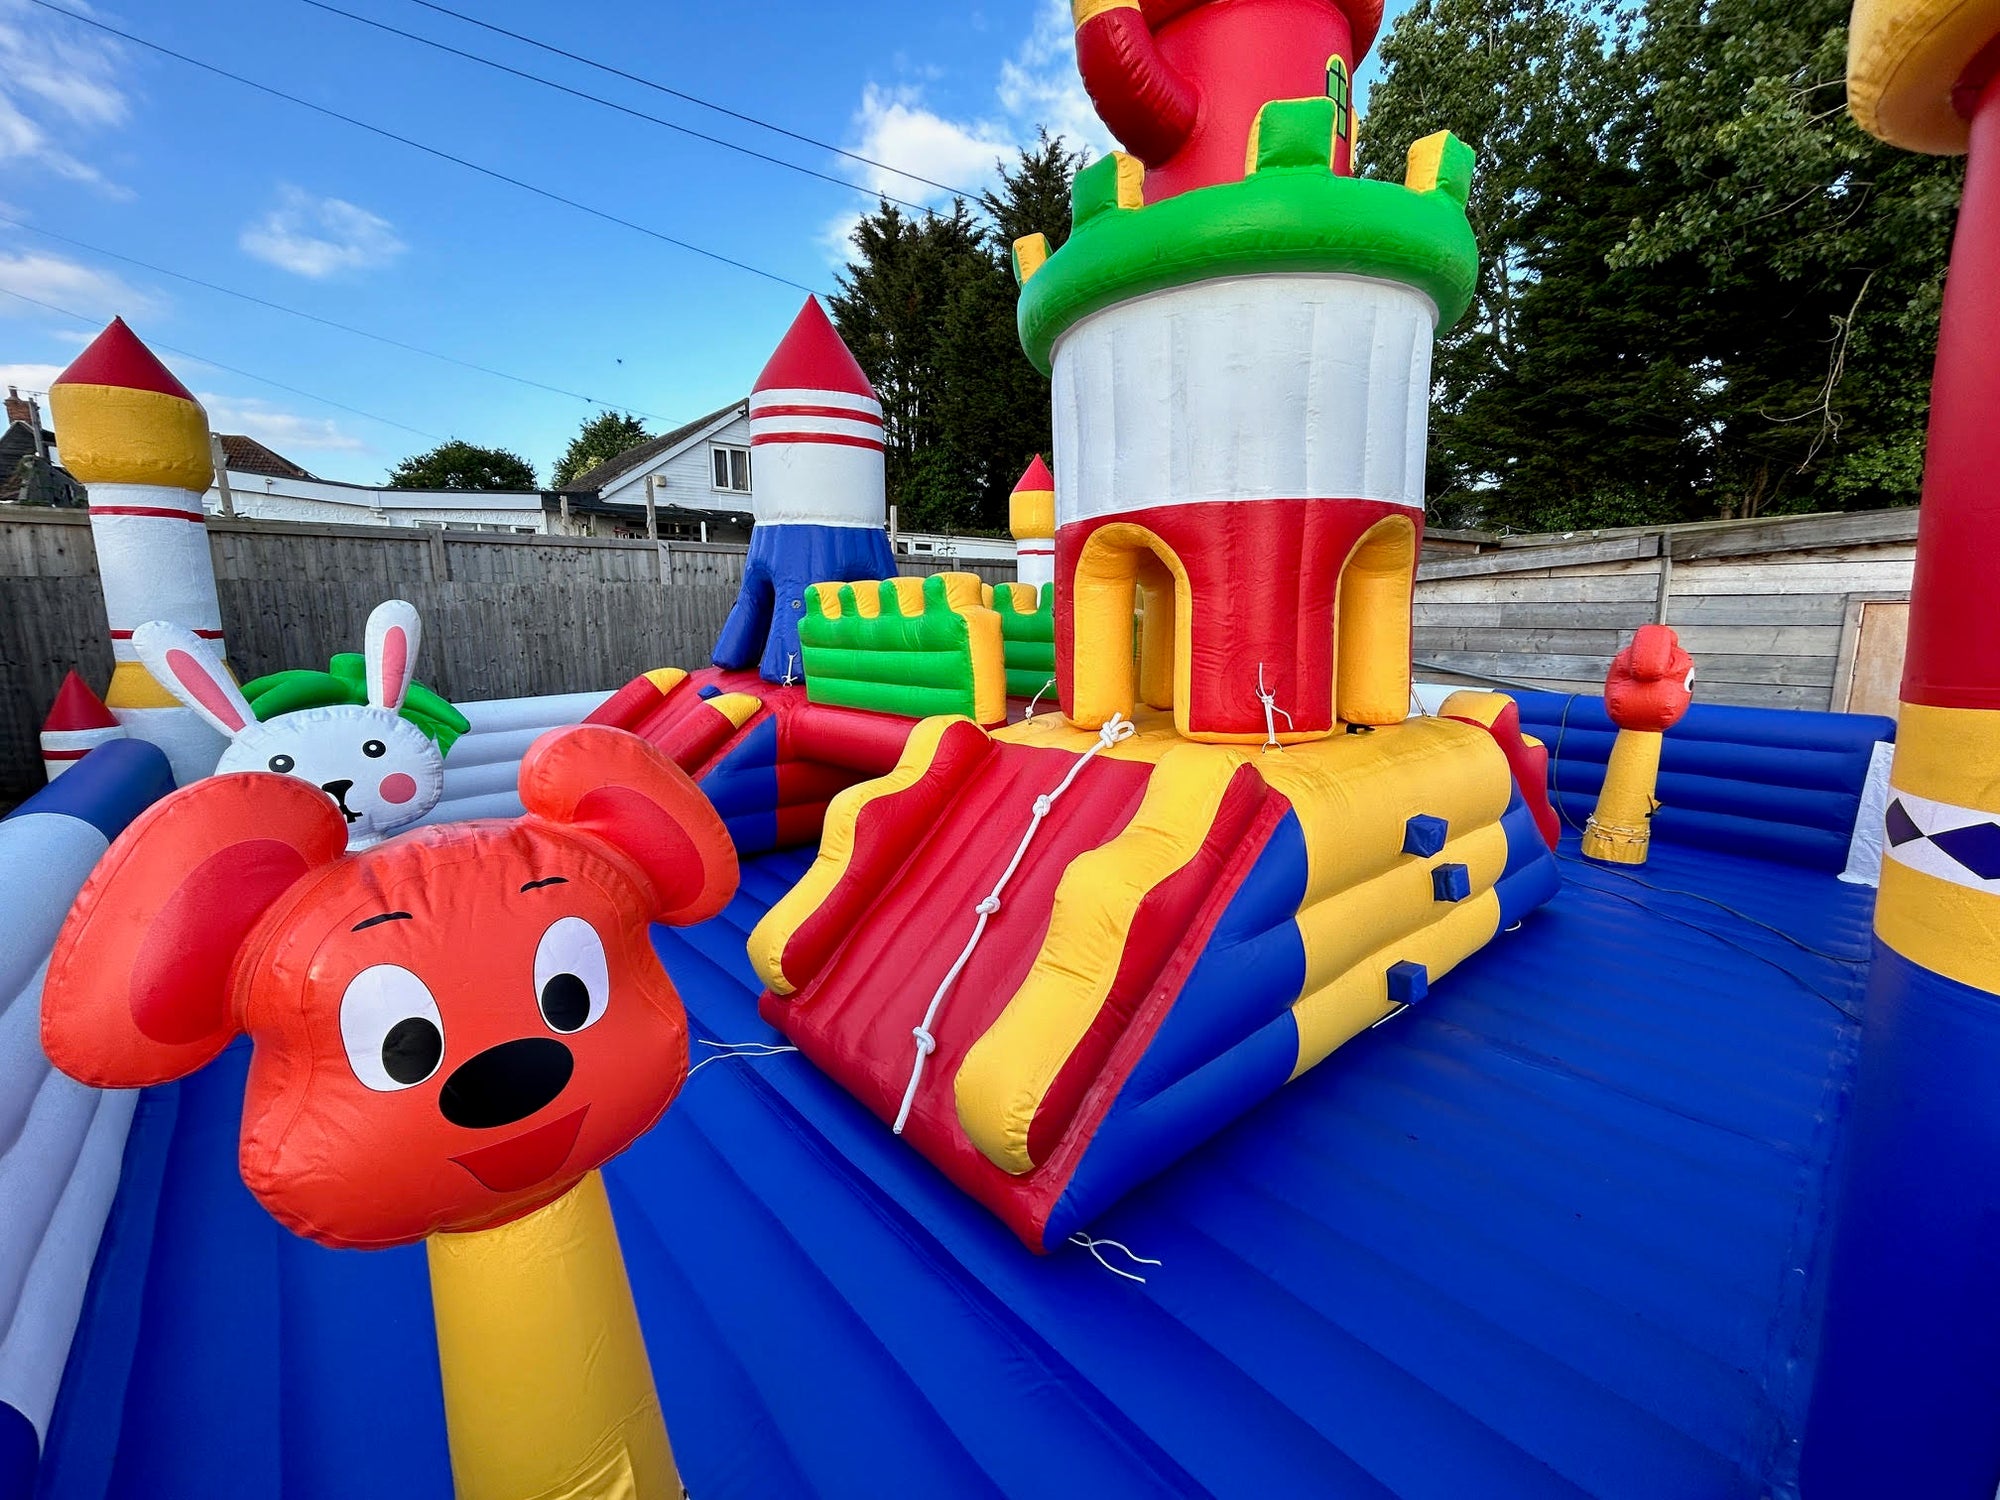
<point x="1103" y="680"/>
<point x="1372" y="617"/>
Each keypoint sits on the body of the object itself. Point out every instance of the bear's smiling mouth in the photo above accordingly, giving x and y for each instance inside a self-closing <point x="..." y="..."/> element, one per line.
<point x="526" y="1159"/>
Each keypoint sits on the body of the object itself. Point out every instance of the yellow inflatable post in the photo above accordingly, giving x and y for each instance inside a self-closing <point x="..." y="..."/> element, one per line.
<point x="1649" y="687"/>
<point x="547" y="1391"/>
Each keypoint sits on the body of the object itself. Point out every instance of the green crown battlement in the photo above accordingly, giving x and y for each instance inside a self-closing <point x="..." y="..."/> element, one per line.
<point x="1290" y="212"/>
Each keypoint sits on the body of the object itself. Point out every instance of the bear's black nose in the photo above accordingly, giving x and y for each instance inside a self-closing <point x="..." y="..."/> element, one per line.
<point x="506" y="1083"/>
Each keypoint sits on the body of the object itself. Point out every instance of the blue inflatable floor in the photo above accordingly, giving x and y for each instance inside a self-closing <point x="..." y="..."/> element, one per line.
<point x="1555" y="1232"/>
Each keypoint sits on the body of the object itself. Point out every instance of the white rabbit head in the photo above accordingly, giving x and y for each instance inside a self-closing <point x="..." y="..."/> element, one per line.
<point x="382" y="771"/>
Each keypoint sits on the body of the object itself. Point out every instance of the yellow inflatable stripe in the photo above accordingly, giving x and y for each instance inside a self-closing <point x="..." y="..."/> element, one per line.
<point x="547" y="1391"/>
<point x="1010" y="1069"/>
<point x="1341" y="931"/>
<point x="1338" y="1011"/>
<point x="1949" y="755"/>
<point x="1355" y="792"/>
<point x="666" y="679"/>
<point x="766" y="945"/>
<point x="132" y="686"/>
<point x="1949" y="928"/>
<point x="737" y="708"/>
<point x="115" y="435"/>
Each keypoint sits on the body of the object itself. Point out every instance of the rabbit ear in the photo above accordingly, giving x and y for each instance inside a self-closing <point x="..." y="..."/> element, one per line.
<point x="394" y="632"/>
<point x="189" y="668"/>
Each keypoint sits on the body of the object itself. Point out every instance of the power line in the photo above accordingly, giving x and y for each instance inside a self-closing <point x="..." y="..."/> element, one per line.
<point x="6" y="291"/>
<point x="637" y="114"/>
<point x="380" y="338"/>
<point x="673" y="93"/>
<point x="415" y="145"/>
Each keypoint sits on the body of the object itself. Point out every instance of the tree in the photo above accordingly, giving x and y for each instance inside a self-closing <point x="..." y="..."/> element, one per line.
<point x="600" y="439"/>
<point x="1703" y="290"/>
<point x="459" y="465"/>
<point x="927" y="305"/>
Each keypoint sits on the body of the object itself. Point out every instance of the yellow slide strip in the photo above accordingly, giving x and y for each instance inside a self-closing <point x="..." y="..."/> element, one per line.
<point x="1342" y="931"/>
<point x="836" y="848"/>
<point x="547" y="1391"/>
<point x="1010" y="1069"/>
<point x="1336" y="1012"/>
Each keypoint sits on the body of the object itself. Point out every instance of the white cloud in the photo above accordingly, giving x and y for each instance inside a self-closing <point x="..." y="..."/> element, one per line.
<point x="58" y="84"/>
<point x="285" y="431"/>
<point x="28" y="379"/>
<point x="74" y="288"/>
<point x="318" y="236"/>
<point x="1038" y="87"/>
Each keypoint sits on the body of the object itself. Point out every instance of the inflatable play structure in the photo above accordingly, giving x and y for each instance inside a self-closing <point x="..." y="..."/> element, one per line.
<point x="1123" y="1035"/>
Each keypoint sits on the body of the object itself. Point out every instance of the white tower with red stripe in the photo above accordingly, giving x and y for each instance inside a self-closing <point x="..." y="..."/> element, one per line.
<point x="77" y="724"/>
<point x="139" y="442"/>
<point x="816" y="488"/>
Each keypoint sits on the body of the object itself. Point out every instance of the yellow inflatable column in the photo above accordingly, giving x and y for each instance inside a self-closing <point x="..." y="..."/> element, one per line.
<point x="547" y="1391"/>
<point x="1621" y="828"/>
<point x="1649" y="687"/>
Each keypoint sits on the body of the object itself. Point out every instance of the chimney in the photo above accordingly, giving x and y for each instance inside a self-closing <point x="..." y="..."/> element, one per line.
<point x="18" y="408"/>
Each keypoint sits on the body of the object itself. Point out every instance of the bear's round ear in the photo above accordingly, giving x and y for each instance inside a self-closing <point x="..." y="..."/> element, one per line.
<point x="614" y="785"/>
<point x="138" y="988"/>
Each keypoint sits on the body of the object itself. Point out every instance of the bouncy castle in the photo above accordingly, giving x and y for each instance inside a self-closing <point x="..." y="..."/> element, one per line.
<point x="1110" y="1031"/>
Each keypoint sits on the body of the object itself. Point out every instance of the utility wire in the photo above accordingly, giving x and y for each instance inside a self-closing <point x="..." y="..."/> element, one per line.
<point x="673" y="93"/>
<point x="6" y="291"/>
<point x="415" y="145"/>
<point x="380" y="338"/>
<point x="590" y="98"/>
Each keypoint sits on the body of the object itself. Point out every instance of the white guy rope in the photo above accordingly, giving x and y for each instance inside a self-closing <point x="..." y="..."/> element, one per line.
<point x="790" y="657"/>
<point x="1090" y="1243"/>
<point x="1030" y="714"/>
<point x="737" y="1049"/>
<point x="1271" y="712"/>
<point x="1115" y="729"/>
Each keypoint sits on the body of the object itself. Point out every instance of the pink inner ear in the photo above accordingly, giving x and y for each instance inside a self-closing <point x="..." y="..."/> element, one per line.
<point x="395" y="662"/>
<point x="192" y="675"/>
<point x="651" y="835"/>
<point x="180" y="980"/>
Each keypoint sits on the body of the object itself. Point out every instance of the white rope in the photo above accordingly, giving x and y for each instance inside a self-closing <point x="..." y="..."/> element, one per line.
<point x="1271" y="712"/>
<point x="790" y="657"/>
<point x="1089" y="1243"/>
<point x="1030" y="714"/>
<point x="726" y="1050"/>
<point x="1117" y="728"/>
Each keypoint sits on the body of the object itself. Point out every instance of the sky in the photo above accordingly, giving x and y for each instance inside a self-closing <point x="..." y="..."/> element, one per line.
<point x="109" y="149"/>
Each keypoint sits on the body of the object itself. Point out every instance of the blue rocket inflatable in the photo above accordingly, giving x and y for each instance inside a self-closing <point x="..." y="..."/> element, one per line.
<point x="816" y="441"/>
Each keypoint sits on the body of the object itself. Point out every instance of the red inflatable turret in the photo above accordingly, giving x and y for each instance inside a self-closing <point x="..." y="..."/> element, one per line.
<point x="1180" y="81"/>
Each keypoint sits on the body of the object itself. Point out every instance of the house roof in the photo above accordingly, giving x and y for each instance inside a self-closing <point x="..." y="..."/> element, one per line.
<point x="245" y="455"/>
<point x="591" y="481"/>
<point x="26" y="479"/>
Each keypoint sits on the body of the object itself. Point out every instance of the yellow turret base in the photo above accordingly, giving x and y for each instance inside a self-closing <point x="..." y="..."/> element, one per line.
<point x="1621" y="829"/>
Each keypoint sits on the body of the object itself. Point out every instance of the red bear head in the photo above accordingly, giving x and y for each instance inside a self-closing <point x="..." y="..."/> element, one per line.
<point x="1651" y="682"/>
<point x="448" y="1030"/>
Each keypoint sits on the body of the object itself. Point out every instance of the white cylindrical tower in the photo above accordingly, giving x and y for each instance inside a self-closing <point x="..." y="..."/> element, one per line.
<point x="1031" y="516"/>
<point x="139" y="442"/>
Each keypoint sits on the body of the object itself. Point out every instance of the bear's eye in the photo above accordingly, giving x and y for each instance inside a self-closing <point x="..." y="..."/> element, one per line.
<point x="282" y="764"/>
<point x="572" y="979"/>
<point x="392" y="1028"/>
<point x="374" y="749"/>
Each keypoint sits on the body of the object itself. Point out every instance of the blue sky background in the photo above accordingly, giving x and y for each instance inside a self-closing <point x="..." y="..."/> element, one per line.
<point x="122" y="149"/>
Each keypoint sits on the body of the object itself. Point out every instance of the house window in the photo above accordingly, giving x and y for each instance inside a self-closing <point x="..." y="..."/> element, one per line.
<point x="1342" y="95"/>
<point x="732" y="468"/>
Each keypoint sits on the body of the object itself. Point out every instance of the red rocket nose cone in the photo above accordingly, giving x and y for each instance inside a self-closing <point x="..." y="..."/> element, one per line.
<point x="77" y="707"/>
<point x="1037" y="479"/>
<point x="813" y="357"/>
<point x="116" y="357"/>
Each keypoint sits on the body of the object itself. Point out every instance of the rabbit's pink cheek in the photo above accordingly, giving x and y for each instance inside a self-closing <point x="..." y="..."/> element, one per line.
<point x="398" y="788"/>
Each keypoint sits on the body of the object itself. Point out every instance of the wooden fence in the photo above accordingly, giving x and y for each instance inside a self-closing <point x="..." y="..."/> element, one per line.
<point x="1772" y="611"/>
<point x="504" y="616"/>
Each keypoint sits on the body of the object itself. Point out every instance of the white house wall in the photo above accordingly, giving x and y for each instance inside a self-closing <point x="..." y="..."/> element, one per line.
<point x="262" y="497"/>
<point x="687" y="478"/>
